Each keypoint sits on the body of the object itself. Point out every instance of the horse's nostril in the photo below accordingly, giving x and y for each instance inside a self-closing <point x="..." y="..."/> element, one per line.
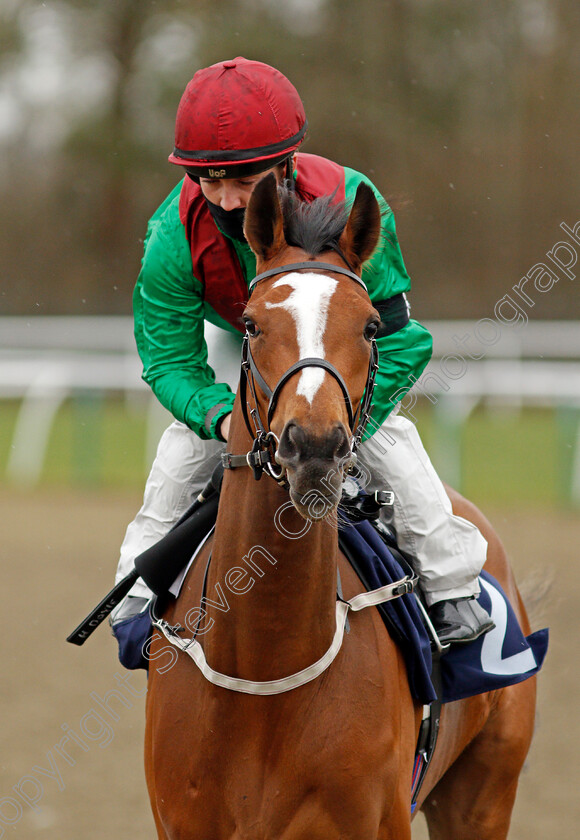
<point x="290" y="443"/>
<point x="341" y="442"/>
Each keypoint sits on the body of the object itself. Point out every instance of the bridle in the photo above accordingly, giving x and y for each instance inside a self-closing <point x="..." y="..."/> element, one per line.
<point x="262" y="456"/>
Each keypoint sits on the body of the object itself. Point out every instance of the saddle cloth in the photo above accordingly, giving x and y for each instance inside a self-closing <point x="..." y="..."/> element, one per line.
<point x="501" y="657"/>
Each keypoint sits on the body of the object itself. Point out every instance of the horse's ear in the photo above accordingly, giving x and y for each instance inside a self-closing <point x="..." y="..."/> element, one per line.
<point x="361" y="234"/>
<point x="263" y="221"/>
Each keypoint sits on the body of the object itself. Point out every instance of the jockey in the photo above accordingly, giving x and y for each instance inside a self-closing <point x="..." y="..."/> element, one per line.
<point x="238" y="121"/>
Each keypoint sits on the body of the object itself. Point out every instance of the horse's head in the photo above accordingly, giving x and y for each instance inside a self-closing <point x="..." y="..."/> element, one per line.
<point x="321" y="316"/>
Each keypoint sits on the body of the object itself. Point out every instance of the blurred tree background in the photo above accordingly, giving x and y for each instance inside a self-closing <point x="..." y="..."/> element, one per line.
<point x="465" y="114"/>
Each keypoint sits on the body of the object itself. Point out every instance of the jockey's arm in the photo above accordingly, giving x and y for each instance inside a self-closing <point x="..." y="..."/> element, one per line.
<point x="224" y="429"/>
<point x="169" y="328"/>
<point x="406" y="351"/>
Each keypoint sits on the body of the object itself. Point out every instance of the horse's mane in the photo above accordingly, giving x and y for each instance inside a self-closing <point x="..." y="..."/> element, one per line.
<point x="315" y="226"/>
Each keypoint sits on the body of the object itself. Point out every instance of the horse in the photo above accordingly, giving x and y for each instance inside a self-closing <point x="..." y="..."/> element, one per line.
<point x="332" y="756"/>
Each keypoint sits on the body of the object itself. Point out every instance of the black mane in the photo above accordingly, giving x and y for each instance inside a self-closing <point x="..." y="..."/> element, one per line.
<point x="315" y="226"/>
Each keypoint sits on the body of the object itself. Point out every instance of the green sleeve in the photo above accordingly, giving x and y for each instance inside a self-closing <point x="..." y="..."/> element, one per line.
<point x="403" y="354"/>
<point x="169" y="327"/>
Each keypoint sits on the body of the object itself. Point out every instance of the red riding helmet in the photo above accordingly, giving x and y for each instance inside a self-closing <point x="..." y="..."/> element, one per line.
<point x="237" y="118"/>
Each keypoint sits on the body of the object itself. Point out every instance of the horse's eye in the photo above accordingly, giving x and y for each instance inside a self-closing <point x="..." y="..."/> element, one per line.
<point x="371" y="330"/>
<point x="251" y="328"/>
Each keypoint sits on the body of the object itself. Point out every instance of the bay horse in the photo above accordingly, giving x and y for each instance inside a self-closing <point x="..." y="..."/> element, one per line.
<point x="332" y="757"/>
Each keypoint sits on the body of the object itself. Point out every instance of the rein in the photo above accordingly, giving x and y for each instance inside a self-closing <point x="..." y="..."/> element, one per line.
<point x="262" y="456"/>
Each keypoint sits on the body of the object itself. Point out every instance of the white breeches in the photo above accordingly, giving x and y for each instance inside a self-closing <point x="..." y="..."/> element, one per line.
<point x="182" y="467"/>
<point x="448" y="551"/>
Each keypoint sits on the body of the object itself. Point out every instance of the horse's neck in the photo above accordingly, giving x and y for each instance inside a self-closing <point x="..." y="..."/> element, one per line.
<point x="274" y="577"/>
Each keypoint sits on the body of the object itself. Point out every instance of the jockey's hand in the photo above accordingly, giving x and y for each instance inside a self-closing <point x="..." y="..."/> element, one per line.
<point x="225" y="426"/>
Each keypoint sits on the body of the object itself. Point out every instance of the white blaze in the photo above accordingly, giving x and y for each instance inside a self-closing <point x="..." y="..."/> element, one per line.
<point x="308" y="304"/>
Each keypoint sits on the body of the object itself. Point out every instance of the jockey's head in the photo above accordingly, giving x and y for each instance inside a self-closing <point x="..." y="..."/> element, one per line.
<point x="237" y="121"/>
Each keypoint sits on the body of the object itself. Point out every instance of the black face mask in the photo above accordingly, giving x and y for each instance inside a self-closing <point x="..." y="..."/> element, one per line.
<point x="230" y="222"/>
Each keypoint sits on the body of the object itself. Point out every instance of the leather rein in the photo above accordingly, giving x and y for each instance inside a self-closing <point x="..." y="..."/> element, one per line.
<point x="262" y="456"/>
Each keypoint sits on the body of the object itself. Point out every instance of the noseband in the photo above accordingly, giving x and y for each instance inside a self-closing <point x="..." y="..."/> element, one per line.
<point x="263" y="453"/>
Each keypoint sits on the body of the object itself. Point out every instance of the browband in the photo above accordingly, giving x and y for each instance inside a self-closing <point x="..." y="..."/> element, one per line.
<point x="311" y="265"/>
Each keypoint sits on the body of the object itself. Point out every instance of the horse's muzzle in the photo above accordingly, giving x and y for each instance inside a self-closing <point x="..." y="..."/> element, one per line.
<point x="315" y="466"/>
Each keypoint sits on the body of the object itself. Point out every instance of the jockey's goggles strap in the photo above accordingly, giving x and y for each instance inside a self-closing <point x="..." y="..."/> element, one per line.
<point x="310" y="265"/>
<point x="218" y="156"/>
<point x="214" y="171"/>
